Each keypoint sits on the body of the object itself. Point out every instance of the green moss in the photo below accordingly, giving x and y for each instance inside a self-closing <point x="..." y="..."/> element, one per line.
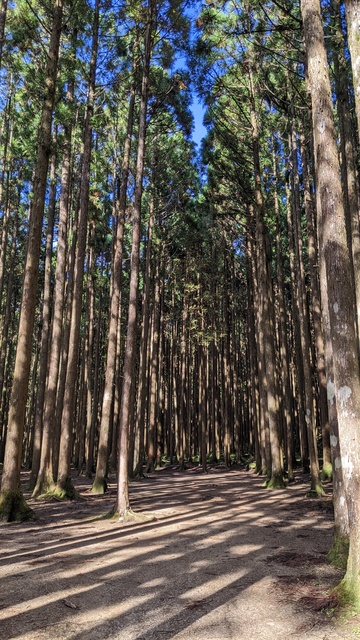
<point x="316" y="490"/>
<point x="99" y="486"/>
<point x="348" y="594"/>
<point x="276" y="482"/>
<point x="65" y="490"/>
<point x="326" y="472"/>
<point x="339" y="551"/>
<point x="14" y="508"/>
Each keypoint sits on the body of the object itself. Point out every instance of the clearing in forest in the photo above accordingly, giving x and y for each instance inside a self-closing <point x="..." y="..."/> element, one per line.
<point x="221" y="558"/>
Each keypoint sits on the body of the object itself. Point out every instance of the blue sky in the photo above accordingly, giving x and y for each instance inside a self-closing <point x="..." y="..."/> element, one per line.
<point x="198" y="113"/>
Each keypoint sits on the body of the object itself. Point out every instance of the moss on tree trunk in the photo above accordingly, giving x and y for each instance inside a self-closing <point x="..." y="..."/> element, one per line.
<point x="14" y="508"/>
<point x="99" y="486"/>
<point x="65" y="490"/>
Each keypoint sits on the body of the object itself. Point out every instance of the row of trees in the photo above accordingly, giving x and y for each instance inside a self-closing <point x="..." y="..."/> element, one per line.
<point x="283" y="158"/>
<point x="148" y="311"/>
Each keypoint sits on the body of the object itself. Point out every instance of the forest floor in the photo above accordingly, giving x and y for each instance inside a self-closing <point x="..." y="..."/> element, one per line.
<point x="220" y="559"/>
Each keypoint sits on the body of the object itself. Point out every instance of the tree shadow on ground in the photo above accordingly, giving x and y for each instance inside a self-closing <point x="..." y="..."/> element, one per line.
<point x="222" y="555"/>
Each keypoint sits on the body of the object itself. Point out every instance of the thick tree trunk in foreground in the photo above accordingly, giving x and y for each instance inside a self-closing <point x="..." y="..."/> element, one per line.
<point x="341" y="298"/>
<point x="12" y="506"/>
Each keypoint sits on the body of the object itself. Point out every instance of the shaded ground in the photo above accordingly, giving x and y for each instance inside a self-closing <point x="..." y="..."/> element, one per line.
<point x="224" y="559"/>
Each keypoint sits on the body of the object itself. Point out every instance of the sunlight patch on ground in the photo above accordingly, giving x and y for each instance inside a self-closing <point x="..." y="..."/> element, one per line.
<point x="211" y="587"/>
<point x="33" y="603"/>
<point x="245" y="549"/>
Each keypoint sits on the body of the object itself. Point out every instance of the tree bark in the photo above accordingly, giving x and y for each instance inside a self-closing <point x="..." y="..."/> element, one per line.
<point x="353" y="28"/>
<point x="341" y="299"/>
<point x="12" y="504"/>
<point x="99" y="484"/>
<point x="64" y="486"/>
<point x="122" y="501"/>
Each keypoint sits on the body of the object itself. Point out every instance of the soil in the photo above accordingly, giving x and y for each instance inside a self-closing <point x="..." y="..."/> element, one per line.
<point x="218" y="557"/>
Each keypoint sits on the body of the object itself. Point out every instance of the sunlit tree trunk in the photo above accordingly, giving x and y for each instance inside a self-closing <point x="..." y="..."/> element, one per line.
<point x="341" y="298"/>
<point x="122" y="501"/>
<point x="99" y="484"/>
<point x="353" y="28"/>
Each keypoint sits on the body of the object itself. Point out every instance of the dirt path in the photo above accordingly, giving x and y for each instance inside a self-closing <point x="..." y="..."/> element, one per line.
<point x="223" y="560"/>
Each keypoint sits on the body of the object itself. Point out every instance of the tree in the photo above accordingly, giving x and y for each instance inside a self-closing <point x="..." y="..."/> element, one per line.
<point x="12" y="505"/>
<point x="334" y="253"/>
<point x="353" y="25"/>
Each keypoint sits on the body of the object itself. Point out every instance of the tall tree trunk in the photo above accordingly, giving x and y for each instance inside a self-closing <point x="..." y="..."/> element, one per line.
<point x="326" y="471"/>
<point x="45" y="479"/>
<point x="310" y="420"/>
<point x="99" y="484"/>
<point x="64" y="485"/>
<point x="3" y="10"/>
<point x="44" y="349"/>
<point x="341" y="299"/>
<point x="12" y="504"/>
<point x="144" y="343"/>
<point x="266" y="312"/>
<point x="353" y="28"/>
<point x="122" y="501"/>
<point x="299" y="383"/>
<point x="154" y="366"/>
<point x="288" y="410"/>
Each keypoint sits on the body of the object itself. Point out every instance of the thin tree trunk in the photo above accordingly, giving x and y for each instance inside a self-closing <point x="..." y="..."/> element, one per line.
<point x="44" y="349"/>
<point x="100" y="483"/>
<point x="284" y="351"/>
<point x="310" y="420"/>
<point x="3" y="10"/>
<point x="316" y="314"/>
<point x="266" y="312"/>
<point x="122" y="501"/>
<point x="64" y="485"/>
<point x="143" y="365"/>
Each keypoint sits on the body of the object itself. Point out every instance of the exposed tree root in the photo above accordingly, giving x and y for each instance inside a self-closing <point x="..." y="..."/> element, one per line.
<point x="99" y="486"/>
<point x="326" y="472"/>
<point x="348" y="594"/>
<point x="131" y="516"/>
<point x="316" y="491"/>
<point x="65" y="490"/>
<point x="276" y="482"/>
<point x="14" y="508"/>
<point x="43" y="487"/>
